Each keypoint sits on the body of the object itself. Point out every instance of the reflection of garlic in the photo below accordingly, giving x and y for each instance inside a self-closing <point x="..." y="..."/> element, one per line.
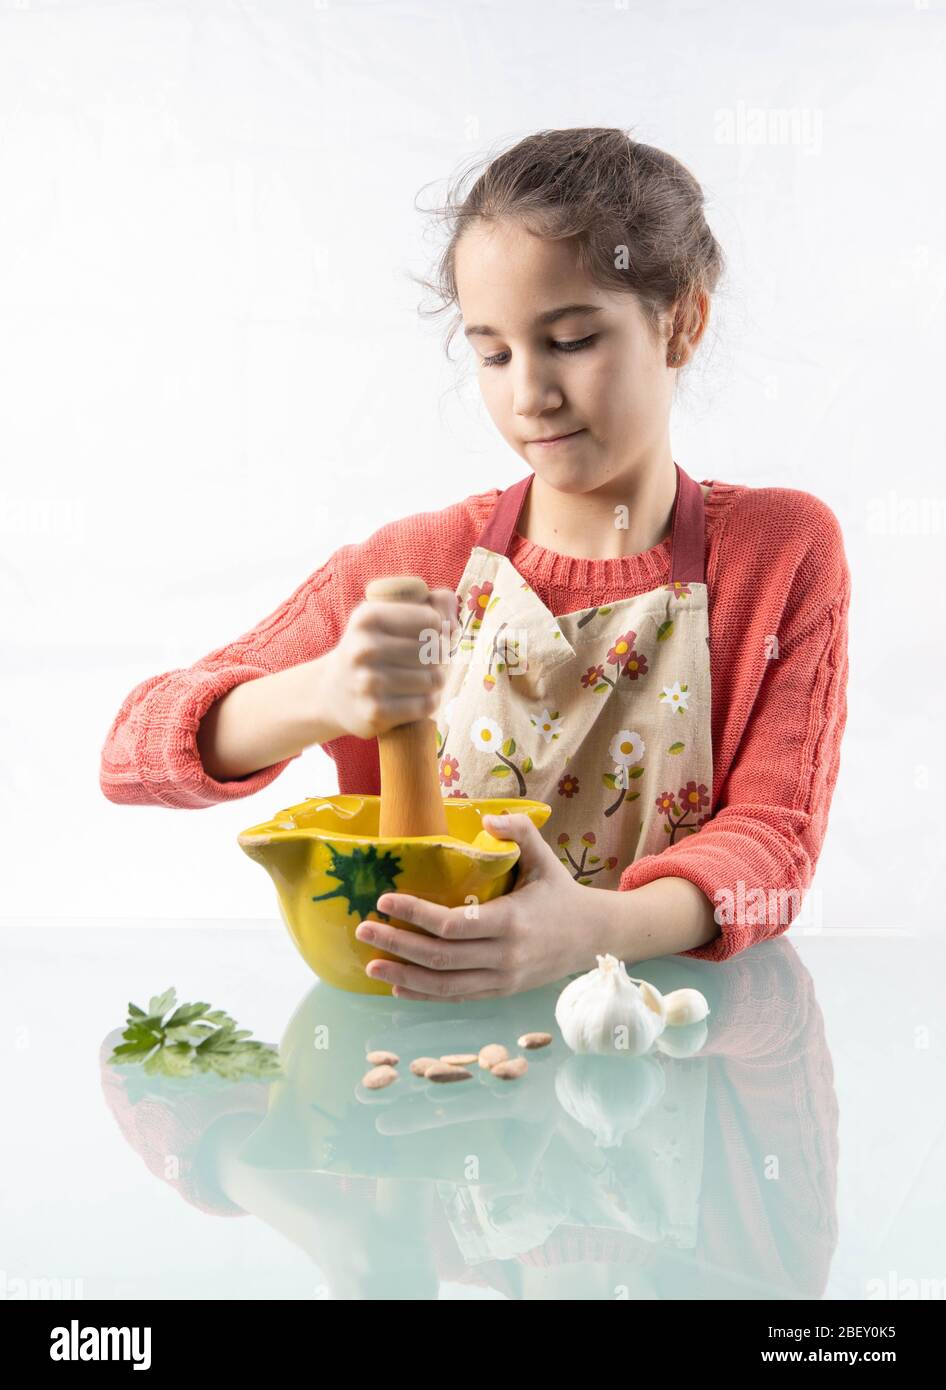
<point x="683" y="1042"/>
<point x="685" y="1006"/>
<point x="608" y="1098"/>
<point x="605" y="1011"/>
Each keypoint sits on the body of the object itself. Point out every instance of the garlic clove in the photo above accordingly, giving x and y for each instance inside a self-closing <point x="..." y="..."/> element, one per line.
<point x="685" y="1006"/>
<point x="653" y="999"/>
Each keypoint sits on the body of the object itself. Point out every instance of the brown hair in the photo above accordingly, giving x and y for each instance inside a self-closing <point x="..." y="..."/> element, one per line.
<point x="635" y="213"/>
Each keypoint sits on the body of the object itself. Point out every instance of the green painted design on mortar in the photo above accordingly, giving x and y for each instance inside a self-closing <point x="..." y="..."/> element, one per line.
<point x="364" y="876"/>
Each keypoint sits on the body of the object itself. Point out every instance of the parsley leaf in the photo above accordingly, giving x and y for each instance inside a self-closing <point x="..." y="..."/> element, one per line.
<point x="193" y="1038"/>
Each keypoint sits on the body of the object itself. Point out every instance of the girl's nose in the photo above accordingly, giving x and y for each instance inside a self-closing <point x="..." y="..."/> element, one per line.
<point x="533" y="397"/>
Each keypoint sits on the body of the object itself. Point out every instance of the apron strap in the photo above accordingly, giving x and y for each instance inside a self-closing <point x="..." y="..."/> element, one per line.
<point x="687" y="541"/>
<point x="688" y="538"/>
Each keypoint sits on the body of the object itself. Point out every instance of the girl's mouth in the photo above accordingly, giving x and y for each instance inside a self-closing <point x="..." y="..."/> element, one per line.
<point x="556" y="439"/>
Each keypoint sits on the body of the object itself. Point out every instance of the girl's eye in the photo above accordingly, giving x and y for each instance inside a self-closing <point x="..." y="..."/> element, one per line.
<point x="575" y="346"/>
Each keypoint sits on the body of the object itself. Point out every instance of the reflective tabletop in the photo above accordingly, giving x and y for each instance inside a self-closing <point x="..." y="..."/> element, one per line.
<point x="795" y="1148"/>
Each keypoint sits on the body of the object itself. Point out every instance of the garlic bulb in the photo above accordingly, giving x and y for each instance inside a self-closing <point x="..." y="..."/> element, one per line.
<point x="685" y="1006"/>
<point x="605" y="1011"/>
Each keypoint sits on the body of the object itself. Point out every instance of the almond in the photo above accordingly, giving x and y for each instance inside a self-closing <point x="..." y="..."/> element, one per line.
<point x="460" y="1059"/>
<point x="534" y="1040"/>
<point x="491" y="1054"/>
<point x="378" y="1077"/>
<point x="420" y="1064"/>
<point x="509" y="1070"/>
<point x="443" y="1071"/>
<point x="383" y="1059"/>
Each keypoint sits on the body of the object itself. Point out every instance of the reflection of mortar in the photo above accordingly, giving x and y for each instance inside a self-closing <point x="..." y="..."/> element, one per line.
<point x="320" y="1118"/>
<point x="330" y="867"/>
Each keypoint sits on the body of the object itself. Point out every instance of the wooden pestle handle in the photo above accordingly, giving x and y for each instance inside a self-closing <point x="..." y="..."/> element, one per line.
<point x="411" y="800"/>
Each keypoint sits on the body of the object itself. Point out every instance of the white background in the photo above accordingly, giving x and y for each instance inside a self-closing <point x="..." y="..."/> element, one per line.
<point x="214" y="372"/>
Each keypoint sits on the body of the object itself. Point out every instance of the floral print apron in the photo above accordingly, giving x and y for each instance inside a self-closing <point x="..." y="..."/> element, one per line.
<point x="604" y="714"/>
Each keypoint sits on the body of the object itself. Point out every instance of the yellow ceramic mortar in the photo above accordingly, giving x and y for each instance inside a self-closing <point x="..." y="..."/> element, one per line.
<point x="330" y="866"/>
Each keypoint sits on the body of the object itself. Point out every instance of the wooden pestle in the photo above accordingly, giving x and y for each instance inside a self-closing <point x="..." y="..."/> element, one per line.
<point x="411" y="800"/>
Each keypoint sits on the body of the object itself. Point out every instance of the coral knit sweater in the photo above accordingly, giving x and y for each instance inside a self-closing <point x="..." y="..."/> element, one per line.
<point x="779" y="593"/>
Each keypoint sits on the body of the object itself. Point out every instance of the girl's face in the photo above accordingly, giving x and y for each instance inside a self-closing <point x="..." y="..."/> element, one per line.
<point x="594" y="372"/>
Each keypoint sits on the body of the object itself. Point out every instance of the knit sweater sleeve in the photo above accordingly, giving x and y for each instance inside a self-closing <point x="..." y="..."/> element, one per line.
<point x="755" y="857"/>
<point x="150" y="755"/>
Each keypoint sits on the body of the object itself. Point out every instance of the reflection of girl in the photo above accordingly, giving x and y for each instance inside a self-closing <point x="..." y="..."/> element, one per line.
<point x="682" y="702"/>
<point x="174" y="1134"/>
<point x="768" y="1091"/>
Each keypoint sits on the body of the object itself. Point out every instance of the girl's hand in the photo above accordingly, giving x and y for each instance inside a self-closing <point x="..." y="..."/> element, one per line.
<point x="532" y="936"/>
<point x="374" y="678"/>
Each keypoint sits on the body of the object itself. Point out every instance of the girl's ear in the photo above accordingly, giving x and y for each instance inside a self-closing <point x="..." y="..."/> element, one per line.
<point x="689" y="323"/>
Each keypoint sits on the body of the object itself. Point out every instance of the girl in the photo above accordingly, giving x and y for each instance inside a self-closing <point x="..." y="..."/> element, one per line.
<point x="663" y="661"/>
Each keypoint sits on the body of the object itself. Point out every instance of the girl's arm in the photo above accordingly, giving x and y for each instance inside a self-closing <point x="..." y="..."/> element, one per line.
<point x="266" y="721"/>
<point x="662" y="918"/>
<point x="755" y="859"/>
<point x="151" y="755"/>
<point x="252" y="706"/>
